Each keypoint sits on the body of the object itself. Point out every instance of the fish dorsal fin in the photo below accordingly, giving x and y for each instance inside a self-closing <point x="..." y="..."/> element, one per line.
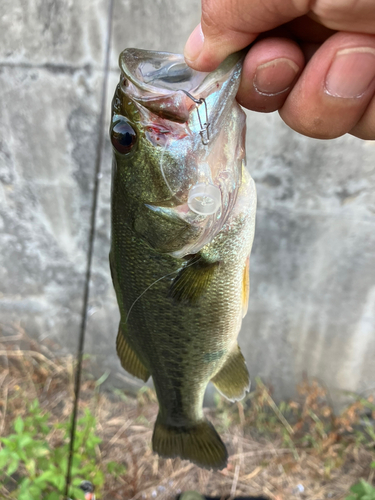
<point x="246" y="287"/>
<point x="193" y="280"/>
<point x="233" y="380"/>
<point x="129" y="359"/>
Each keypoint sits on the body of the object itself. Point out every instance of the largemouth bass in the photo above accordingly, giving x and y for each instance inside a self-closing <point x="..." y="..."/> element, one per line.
<point x="183" y="216"/>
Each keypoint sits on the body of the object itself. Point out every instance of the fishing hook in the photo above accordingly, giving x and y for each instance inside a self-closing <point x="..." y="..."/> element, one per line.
<point x="204" y="131"/>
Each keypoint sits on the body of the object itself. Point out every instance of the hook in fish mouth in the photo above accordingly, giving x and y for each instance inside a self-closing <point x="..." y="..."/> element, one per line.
<point x="204" y="131"/>
<point x="156" y="79"/>
<point x="161" y="81"/>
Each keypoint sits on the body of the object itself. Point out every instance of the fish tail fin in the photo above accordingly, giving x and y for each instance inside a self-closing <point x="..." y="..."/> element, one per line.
<point x="199" y="443"/>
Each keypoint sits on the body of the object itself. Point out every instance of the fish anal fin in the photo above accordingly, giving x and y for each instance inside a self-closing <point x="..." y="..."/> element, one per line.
<point x="246" y="287"/>
<point x="233" y="380"/>
<point x="199" y="443"/>
<point x="129" y="359"/>
<point x="193" y="280"/>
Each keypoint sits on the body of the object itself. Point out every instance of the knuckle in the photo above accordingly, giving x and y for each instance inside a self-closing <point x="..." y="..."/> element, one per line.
<point x="334" y="11"/>
<point x="219" y="16"/>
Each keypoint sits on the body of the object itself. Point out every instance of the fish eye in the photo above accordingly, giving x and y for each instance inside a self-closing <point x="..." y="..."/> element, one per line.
<point x="123" y="136"/>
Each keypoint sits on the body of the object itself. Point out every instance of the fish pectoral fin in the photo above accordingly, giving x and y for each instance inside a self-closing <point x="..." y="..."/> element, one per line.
<point x="233" y="380"/>
<point x="193" y="280"/>
<point x="246" y="287"/>
<point x="199" y="443"/>
<point x="129" y="359"/>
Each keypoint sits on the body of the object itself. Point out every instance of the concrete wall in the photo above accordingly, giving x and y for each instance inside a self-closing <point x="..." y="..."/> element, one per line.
<point x="312" y="303"/>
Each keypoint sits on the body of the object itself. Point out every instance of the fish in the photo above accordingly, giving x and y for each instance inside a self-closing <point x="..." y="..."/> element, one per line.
<point x="183" y="215"/>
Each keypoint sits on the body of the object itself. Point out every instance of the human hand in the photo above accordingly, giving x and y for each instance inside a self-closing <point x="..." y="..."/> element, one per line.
<point x="314" y="61"/>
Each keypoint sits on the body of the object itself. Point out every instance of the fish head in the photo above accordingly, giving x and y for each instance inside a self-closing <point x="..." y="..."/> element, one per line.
<point x="178" y="138"/>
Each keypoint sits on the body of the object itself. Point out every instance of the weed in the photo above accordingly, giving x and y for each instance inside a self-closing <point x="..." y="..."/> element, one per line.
<point x="307" y="425"/>
<point x="362" y="491"/>
<point x="33" y="459"/>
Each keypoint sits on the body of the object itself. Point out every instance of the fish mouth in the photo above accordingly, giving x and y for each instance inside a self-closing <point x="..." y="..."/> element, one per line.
<point x="167" y="86"/>
<point x="166" y="71"/>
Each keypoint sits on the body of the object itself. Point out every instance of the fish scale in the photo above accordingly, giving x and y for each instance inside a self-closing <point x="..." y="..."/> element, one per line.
<point x="179" y="275"/>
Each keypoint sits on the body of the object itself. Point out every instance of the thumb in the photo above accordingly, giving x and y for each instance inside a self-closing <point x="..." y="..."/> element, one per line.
<point x="231" y="25"/>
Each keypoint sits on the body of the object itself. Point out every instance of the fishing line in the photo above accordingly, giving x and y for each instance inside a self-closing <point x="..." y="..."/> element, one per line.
<point x="152" y="284"/>
<point x="90" y="251"/>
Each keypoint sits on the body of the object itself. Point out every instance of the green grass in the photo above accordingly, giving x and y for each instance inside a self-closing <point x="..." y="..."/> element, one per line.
<point x="33" y="458"/>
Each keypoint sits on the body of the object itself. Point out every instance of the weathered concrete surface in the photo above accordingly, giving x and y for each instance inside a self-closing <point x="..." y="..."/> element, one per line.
<point x="312" y="302"/>
<point x="53" y="32"/>
<point x="160" y="25"/>
<point x="48" y="135"/>
<point x="50" y="104"/>
<point x="312" y="306"/>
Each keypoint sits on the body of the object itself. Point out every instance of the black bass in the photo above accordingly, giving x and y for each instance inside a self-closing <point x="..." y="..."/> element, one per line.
<point x="183" y="216"/>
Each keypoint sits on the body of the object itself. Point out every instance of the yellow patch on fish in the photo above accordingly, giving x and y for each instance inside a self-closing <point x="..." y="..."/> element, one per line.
<point x="246" y="287"/>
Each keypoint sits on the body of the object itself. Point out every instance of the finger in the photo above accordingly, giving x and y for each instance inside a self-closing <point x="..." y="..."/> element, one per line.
<point x="346" y="15"/>
<point x="205" y="53"/>
<point x="334" y="89"/>
<point x="270" y="69"/>
<point x="231" y="25"/>
<point x="365" y="127"/>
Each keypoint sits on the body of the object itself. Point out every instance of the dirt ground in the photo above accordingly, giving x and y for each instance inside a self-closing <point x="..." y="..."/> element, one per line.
<point x="292" y="450"/>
